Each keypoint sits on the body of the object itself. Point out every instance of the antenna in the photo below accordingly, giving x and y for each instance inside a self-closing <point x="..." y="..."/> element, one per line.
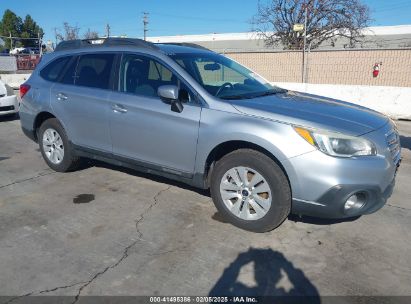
<point x="145" y="23"/>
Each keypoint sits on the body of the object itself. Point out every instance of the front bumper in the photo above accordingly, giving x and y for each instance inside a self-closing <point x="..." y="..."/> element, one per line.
<point x="321" y="184"/>
<point x="9" y="105"/>
<point x="331" y="204"/>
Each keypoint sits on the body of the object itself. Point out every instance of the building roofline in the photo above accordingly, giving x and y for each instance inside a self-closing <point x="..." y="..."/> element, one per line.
<point x="369" y="31"/>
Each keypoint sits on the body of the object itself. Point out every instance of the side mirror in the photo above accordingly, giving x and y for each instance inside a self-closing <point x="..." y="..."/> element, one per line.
<point x="169" y="95"/>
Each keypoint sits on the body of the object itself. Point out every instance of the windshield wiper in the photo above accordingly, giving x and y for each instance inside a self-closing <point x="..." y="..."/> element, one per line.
<point x="234" y="97"/>
<point x="271" y="92"/>
<point x="249" y="95"/>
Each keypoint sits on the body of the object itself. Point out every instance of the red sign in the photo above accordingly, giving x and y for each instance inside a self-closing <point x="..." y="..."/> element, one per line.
<point x="27" y="62"/>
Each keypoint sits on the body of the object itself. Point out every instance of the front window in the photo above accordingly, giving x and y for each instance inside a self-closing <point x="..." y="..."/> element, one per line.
<point x="141" y="75"/>
<point x="223" y="77"/>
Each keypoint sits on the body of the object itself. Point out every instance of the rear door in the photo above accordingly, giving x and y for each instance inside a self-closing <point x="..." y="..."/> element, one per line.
<point x="80" y="100"/>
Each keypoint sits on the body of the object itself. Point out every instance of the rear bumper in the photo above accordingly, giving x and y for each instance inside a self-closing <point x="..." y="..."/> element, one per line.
<point x="9" y="105"/>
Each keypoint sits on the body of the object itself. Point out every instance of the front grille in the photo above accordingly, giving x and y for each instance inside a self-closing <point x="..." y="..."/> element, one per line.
<point x="393" y="142"/>
<point x="8" y="108"/>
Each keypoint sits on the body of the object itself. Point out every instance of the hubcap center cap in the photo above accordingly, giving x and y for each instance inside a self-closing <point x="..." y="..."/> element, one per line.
<point x="245" y="193"/>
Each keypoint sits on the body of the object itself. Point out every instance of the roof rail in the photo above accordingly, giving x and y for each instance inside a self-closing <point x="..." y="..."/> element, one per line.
<point x="187" y="44"/>
<point x="100" y="42"/>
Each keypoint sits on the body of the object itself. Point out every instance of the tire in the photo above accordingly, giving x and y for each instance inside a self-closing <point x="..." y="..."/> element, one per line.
<point x="63" y="162"/>
<point x="273" y="187"/>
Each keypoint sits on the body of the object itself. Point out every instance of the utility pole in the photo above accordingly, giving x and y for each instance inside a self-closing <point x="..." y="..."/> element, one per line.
<point x="11" y="42"/>
<point x="145" y="23"/>
<point x="305" y="43"/>
<point x="108" y="30"/>
<point x="39" y="40"/>
<point x="55" y="37"/>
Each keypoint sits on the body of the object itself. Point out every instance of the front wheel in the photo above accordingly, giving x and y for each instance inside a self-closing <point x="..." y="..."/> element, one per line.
<point x="251" y="190"/>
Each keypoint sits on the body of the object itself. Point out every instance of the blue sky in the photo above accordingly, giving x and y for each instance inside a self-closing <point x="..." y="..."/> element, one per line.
<point x="169" y="17"/>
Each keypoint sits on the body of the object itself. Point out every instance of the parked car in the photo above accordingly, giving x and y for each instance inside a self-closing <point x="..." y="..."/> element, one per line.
<point x="192" y="115"/>
<point x="5" y="52"/>
<point x="17" y="50"/>
<point x="30" y="51"/>
<point x="9" y="104"/>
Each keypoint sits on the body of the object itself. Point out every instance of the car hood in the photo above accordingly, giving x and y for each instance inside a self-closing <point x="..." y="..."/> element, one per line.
<point x="313" y="111"/>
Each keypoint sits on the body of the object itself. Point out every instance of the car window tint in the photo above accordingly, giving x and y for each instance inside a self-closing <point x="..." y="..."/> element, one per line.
<point x="69" y="71"/>
<point x="53" y="70"/>
<point x="143" y="76"/>
<point x="94" y="70"/>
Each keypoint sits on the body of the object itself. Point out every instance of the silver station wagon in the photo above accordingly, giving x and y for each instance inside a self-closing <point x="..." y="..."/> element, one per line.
<point x="191" y="115"/>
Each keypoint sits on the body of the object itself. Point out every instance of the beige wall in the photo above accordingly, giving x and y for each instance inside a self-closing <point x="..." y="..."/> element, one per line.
<point x="333" y="67"/>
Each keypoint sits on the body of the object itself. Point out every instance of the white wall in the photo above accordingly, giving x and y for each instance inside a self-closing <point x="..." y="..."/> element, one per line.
<point x="14" y="80"/>
<point x="392" y="101"/>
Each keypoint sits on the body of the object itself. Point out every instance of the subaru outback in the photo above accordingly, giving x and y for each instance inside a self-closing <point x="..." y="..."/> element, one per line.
<point x="186" y="113"/>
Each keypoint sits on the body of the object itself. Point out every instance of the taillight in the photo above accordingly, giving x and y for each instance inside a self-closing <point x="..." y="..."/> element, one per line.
<point x="24" y="88"/>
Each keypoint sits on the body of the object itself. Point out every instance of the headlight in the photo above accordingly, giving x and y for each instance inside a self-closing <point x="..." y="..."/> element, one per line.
<point x="336" y="144"/>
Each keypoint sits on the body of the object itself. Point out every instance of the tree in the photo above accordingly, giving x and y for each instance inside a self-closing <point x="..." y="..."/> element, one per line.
<point x="91" y="34"/>
<point x="326" y="20"/>
<point x="69" y="32"/>
<point x="13" y="24"/>
<point x="30" y="29"/>
<point x="10" y="24"/>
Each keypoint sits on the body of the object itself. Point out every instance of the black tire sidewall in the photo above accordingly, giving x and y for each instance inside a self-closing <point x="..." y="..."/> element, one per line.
<point x="68" y="154"/>
<point x="278" y="183"/>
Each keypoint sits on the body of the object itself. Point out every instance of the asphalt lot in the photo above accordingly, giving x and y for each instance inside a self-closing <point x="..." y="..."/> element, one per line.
<point x="105" y="230"/>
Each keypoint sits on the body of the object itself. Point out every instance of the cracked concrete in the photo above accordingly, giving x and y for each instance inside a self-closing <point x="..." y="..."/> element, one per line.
<point x="143" y="235"/>
<point x="126" y="250"/>
<point x="27" y="179"/>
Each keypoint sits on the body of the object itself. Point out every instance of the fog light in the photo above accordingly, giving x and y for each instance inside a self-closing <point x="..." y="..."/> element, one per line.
<point x="355" y="202"/>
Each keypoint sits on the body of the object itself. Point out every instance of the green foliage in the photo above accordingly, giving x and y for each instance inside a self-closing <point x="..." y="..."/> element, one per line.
<point x="30" y="29"/>
<point x="14" y="25"/>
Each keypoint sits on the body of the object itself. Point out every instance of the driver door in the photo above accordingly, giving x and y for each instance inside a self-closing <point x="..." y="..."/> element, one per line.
<point x="143" y="128"/>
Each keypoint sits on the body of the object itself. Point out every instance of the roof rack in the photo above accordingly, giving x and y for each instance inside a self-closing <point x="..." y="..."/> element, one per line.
<point x="187" y="44"/>
<point x="83" y="43"/>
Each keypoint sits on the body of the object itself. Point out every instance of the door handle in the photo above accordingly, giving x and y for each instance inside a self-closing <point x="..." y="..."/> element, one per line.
<point x="119" y="108"/>
<point x="61" y="97"/>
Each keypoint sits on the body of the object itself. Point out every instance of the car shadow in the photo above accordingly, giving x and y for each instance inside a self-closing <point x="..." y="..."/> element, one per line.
<point x="205" y="192"/>
<point x="405" y="142"/>
<point x="159" y="179"/>
<point x="319" y="221"/>
<point x="271" y="271"/>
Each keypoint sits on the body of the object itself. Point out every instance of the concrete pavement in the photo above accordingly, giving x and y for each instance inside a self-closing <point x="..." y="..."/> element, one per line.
<point x="106" y="230"/>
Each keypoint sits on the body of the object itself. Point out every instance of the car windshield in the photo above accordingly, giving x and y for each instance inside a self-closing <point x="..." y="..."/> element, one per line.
<point x="223" y="77"/>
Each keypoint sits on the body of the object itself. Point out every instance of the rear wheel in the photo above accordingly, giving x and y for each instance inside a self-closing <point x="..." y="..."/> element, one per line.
<point x="55" y="147"/>
<point x="251" y="190"/>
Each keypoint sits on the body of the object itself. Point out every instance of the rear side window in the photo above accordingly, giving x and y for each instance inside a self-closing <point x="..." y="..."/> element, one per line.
<point x="69" y="71"/>
<point x="53" y="70"/>
<point x="94" y="70"/>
